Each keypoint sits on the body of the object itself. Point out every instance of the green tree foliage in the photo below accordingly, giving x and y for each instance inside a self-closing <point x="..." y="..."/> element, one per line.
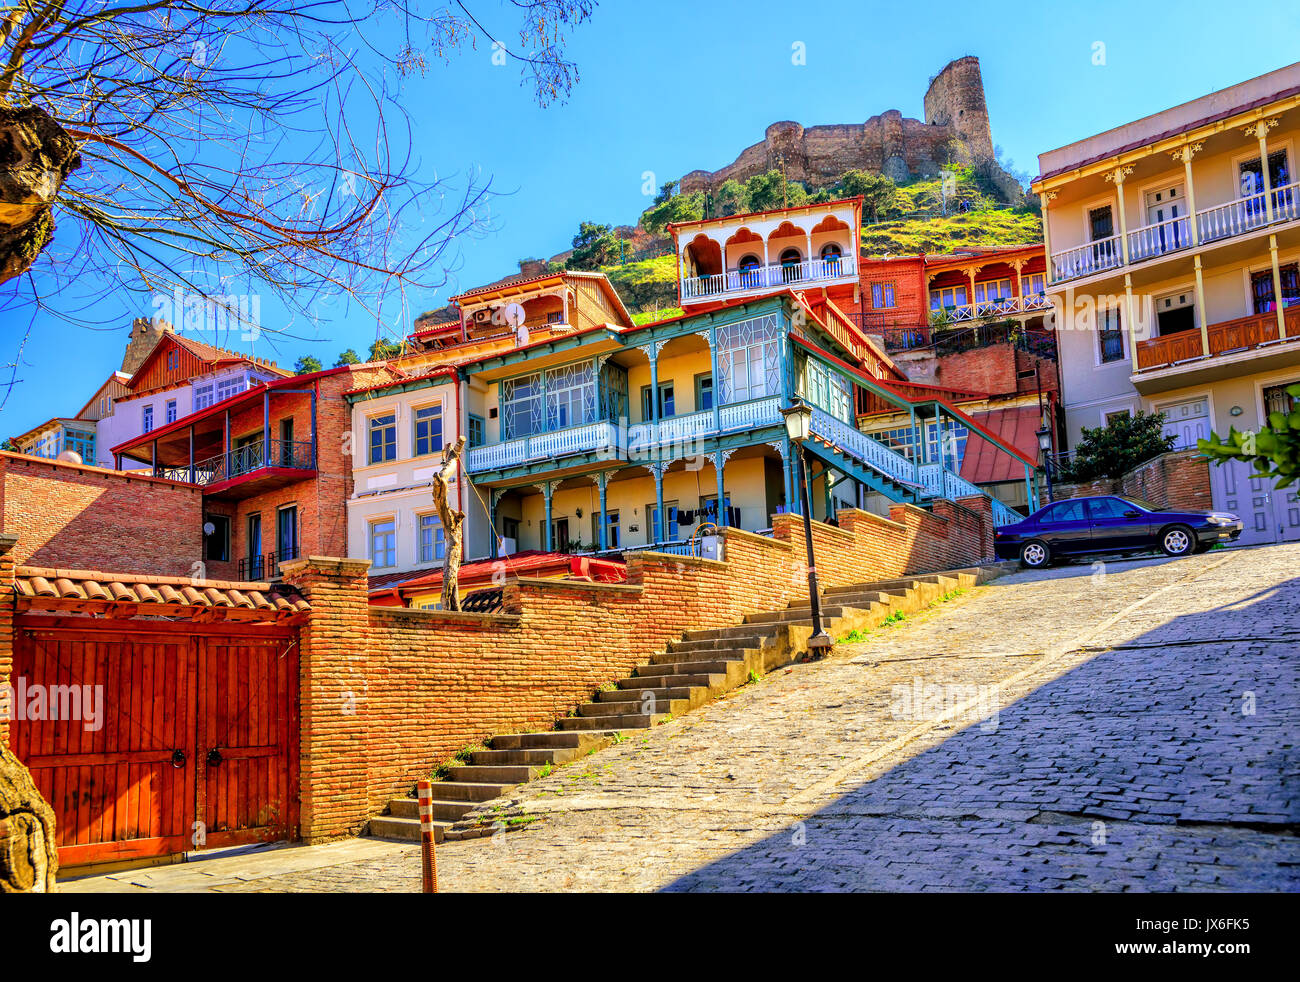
<point x="674" y="208"/>
<point x="307" y="364"/>
<point x="594" y="246"/>
<point x="1274" y="450"/>
<point x="1117" y="447"/>
<point x="879" y="193"/>
<point x="772" y="190"/>
<point x="349" y="357"/>
<point x="731" y="198"/>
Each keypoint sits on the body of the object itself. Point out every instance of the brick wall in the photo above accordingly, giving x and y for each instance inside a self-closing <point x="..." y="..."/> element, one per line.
<point x="77" y="516"/>
<point x="7" y="543"/>
<point x="1179" y="479"/>
<point x="388" y="693"/>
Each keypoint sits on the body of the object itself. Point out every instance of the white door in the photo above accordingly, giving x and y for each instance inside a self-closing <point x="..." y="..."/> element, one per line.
<point x="1187" y="421"/>
<point x="1269" y="514"/>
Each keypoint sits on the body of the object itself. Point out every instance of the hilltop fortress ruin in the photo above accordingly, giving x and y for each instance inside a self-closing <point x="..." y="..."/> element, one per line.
<point x="956" y="127"/>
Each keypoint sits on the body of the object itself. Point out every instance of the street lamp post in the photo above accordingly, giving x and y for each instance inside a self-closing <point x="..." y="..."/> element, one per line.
<point x="798" y="426"/>
<point x="1045" y="445"/>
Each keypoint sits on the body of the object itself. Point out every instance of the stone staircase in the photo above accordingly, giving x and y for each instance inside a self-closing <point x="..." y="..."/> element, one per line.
<point x="697" y="669"/>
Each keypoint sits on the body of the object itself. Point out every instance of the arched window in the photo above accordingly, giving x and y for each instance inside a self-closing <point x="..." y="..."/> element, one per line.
<point x="751" y="271"/>
<point x="791" y="265"/>
<point x="831" y="256"/>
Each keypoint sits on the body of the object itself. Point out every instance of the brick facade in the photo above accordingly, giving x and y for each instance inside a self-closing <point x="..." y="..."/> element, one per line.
<point x="77" y="516"/>
<point x="1179" y="479"/>
<point x="388" y="693"/>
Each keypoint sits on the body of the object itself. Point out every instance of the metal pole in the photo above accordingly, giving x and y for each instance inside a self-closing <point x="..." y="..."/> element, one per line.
<point x="428" y="859"/>
<point x="819" y="638"/>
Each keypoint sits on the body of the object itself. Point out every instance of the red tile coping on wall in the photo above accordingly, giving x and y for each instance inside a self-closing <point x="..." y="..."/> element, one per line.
<point x="390" y="589"/>
<point x="39" y="583"/>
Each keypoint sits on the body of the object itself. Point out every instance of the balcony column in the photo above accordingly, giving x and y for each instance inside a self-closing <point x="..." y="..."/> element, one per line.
<point x="657" y="471"/>
<point x="720" y="458"/>
<point x="782" y="447"/>
<point x="1132" y="324"/>
<point x="808" y="236"/>
<point x="494" y="496"/>
<point x="602" y="482"/>
<point x="918" y="448"/>
<point x="1277" y="288"/>
<point x="1259" y="131"/>
<point x="548" y="488"/>
<point x="1117" y="178"/>
<point x="970" y="274"/>
<point x="1200" y="308"/>
<point x="766" y="276"/>
<point x="1048" y="271"/>
<point x="711" y="338"/>
<point x="1184" y="156"/>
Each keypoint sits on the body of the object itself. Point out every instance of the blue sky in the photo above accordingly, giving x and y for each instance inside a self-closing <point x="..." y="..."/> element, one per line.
<point x="667" y="87"/>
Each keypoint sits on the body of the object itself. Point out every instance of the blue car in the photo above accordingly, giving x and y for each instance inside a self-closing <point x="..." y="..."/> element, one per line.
<point x="1111" y="524"/>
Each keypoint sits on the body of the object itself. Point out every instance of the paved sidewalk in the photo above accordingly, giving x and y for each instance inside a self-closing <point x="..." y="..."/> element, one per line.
<point x="1120" y="727"/>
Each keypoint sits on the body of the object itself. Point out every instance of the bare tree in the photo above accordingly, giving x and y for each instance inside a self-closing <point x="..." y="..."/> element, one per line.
<point x="453" y="520"/>
<point x="197" y="144"/>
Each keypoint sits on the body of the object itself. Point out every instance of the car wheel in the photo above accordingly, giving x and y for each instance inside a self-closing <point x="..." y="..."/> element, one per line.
<point x="1178" y="540"/>
<point x="1035" y="555"/>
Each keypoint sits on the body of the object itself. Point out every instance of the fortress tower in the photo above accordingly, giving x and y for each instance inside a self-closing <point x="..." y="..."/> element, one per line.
<point x="956" y="99"/>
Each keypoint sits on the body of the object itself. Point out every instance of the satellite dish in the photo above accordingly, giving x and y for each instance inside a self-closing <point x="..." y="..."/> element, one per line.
<point x="70" y="457"/>
<point x="513" y="314"/>
<point x="209" y="528"/>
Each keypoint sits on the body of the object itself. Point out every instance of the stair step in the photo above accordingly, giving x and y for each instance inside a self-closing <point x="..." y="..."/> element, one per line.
<point x="658" y="708"/>
<point x="636" y="695"/>
<point x="673" y="681"/>
<point x="702" y="654"/>
<point x="717" y="666"/>
<point x="470" y="790"/>
<point x="794" y="615"/>
<point x="528" y="755"/>
<point x="443" y="811"/>
<point x="750" y="640"/>
<point x="530" y="741"/>
<point x="405" y="829"/>
<point x="630" y="722"/>
<point x="495" y="773"/>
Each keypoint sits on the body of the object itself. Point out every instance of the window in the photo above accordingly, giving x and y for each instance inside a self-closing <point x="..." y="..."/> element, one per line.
<point x="1110" y="336"/>
<point x="477" y="431"/>
<point x="286" y="533"/>
<point x="81" y="442"/>
<point x="227" y="387"/>
<point x="748" y="359"/>
<point x="171" y="410"/>
<point x="791" y="265"/>
<point x="1034" y="285"/>
<point x="383" y="543"/>
<point x="216" y="544"/>
<point x="203" y="396"/>
<point x="709" y="512"/>
<point x="1100" y="223"/>
<point x="1099" y="508"/>
<point x="1065" y="511"/>
<point x="1175" y="313"/>
<point x="667" y="405"/>
<point x="555" y="317"/>
<point x="703" y="392"/>
<point x="831" y="255"/>
<point x="670" y="526"/>
<point x="1252" y="176"/>
<point x="383" y="438"/>
<point x="428" y="430"/>
<point x="882" y="295"/>
<point x="256" y="569"/>
<point x="432" y="540"/>
<point x="570" y="395"/>
<point x="510" y="528"/>
<point x="947" y="297"/>
<point x="1111" y="417"/>
<point x="828" y="390"/>
<point x="173" y="360"/>
<point x="146" y="420"/>
<point x="1261" y="288"/>
<point x="1278" y="400"/>
<point x="560" y="535"/>
<point x="992" y="290"/>
<point x="612" y="540"/>
<point x="521" y="406"/>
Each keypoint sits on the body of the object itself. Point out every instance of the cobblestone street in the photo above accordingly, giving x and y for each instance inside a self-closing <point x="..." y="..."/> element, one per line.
<point x="1127" y="727"/>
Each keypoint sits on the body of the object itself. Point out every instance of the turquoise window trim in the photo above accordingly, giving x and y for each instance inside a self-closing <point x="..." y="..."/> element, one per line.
<point x="700" y="379"/>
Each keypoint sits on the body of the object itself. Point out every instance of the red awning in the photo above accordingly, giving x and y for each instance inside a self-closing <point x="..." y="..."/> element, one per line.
<point x="983" y="463"/>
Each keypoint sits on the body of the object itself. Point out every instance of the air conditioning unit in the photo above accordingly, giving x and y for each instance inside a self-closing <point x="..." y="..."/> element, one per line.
<point x="482" y="316"/>
<point x="711" y="547"/>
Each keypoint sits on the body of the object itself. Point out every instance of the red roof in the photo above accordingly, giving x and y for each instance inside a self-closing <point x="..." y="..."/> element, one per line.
<point x="983" y="463"/>
<point x="485" y="572"/>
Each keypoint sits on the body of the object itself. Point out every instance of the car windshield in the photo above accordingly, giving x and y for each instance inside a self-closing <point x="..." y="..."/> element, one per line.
<point x="1144" y="505"/>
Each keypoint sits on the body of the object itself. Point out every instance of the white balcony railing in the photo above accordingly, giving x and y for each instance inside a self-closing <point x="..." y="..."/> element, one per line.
<point x="598" y="436"/>
<point x="768" y="277"/>
<point x="995" y="307"/>
<point x="751" y="415"/>
<point x="1084" y="260"/>
<point x="1159" y="239"/>
<point x="1234" y="218"/>
<point x="854" y="443"/>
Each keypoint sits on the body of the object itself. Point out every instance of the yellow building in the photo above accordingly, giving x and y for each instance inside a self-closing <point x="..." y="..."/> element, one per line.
<point x="1173" y="248"/>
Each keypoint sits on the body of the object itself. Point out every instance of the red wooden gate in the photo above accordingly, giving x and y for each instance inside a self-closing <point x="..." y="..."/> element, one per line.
<point x="194" y="742"/>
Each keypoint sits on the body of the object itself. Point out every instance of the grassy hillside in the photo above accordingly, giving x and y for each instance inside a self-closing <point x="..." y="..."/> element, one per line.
<point x="918" y="227"/>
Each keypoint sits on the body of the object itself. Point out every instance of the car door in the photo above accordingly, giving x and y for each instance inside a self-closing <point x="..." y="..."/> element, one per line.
<point x="1118" y="524"/>
<point x="1065" y="527"/>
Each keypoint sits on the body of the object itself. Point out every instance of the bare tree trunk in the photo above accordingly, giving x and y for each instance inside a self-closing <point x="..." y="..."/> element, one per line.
<point x="29" y="856"/>
<point x="36" y="155"/>
<point x="452" y="520"/>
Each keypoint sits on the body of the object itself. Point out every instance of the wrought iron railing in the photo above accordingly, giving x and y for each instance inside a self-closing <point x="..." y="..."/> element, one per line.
<point x="245" y="460"/>
<point x="265" y="567"/>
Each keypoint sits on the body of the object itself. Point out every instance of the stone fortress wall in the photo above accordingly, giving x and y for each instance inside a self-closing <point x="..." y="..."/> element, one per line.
<point x="956" y="125"/>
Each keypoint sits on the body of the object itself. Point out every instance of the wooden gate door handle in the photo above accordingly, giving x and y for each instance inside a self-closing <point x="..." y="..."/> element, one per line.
<point x="178" y="758"/>
<point x="214" y="757"/>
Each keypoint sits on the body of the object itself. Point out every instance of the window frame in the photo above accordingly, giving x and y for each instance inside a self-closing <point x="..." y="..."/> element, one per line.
<point x="373" y="425"/>
<point x="416" y="421"/>
<point x="390" y="548"/>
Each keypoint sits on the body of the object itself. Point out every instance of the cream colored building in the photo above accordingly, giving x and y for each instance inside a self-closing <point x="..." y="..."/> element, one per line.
<point x="1173" y="248"/>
